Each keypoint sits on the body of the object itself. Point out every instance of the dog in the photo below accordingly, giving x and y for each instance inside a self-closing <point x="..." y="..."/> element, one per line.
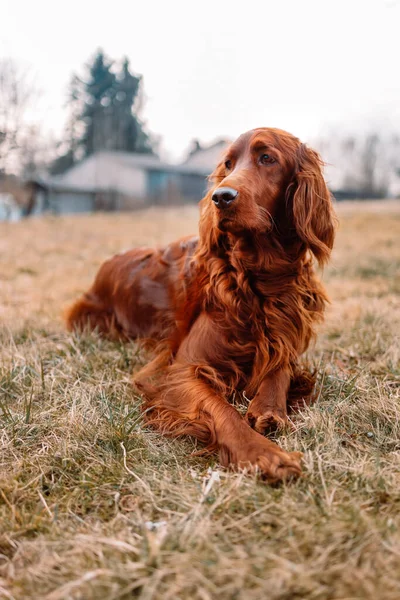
<point x="231" y="310"/>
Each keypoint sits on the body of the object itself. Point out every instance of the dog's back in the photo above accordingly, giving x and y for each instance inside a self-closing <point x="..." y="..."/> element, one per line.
<point x="136" y="294"/>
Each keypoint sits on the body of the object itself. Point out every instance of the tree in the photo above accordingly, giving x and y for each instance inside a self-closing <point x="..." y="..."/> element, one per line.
<point x="364" y="163"/>
<point x="16" y="95"/>
<point x="69" y="148"/>
<point x="369" y="157"/>
<point x="97" y="114"/>
<point x="104" y="113"/>
<point x="131" y="136"/>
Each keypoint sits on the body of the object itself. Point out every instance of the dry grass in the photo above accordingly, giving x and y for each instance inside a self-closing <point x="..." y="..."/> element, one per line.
<point x="93" y="505"/>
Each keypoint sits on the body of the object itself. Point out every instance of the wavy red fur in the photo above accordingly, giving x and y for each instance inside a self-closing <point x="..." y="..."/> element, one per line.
<point x="233" y="310"/>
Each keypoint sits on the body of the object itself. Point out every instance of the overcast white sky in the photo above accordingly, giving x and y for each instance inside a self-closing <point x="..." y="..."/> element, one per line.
<point x="216" y="68"/>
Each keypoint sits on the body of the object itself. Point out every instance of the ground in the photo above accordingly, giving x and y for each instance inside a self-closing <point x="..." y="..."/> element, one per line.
<point x="94" y="505"/>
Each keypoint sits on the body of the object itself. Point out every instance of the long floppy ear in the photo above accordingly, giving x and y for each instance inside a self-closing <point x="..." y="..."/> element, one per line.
<point x="207" y="231"/>
<point x="313" y="215"/>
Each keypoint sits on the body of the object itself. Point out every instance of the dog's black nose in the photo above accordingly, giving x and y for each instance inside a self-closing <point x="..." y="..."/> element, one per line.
<point x="224" y="196"/>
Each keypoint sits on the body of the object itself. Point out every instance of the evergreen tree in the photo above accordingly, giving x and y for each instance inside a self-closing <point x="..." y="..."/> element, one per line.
<point x="127" y="91"/>
<point x="70" y="145"/>
<point x="103" y="113"/>
<point x="97" y="114"/>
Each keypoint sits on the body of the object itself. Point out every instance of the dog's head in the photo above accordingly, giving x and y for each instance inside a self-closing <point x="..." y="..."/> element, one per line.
<point x="269" y="181"/>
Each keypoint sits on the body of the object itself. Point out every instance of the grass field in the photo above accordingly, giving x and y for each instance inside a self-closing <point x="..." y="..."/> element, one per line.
<point x="93" y="505"/>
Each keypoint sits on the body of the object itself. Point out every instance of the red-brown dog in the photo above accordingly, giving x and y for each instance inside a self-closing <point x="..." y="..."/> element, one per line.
<point x="234" y="308"/>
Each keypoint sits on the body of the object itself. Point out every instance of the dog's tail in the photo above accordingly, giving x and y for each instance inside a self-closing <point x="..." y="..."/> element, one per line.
<point x="90" y="313"/>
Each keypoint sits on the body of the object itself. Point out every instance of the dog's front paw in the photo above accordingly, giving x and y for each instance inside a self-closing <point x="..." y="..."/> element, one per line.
<point x="260" y="455"/>
<point x="267" y="422"/>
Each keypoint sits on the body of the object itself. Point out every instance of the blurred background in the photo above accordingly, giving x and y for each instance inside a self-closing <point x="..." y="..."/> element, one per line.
<point x="121" y="105"/>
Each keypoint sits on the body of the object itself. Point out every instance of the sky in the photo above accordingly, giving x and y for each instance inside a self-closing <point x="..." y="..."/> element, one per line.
<point x="216" y="69"/>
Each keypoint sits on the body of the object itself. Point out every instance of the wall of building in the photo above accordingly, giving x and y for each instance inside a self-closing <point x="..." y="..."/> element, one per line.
<point x="99" y="172"/>
<point x="165" y="187"/>
<point x="71" y="202"/>
<point x="193" y="187"/>
<point x="9" y="209"/>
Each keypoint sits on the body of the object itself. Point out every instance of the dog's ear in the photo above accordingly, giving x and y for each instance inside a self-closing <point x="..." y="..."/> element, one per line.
<point x="311" y="205"/>
<point x="208" y="232"/>
<point x="217" y="175"/>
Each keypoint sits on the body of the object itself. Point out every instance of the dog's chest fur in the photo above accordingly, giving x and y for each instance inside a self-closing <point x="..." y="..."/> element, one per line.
<point x="263" y="318"/>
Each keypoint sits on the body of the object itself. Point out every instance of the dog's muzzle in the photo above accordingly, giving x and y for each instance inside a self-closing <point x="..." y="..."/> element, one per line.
<point x="224" y="196"/>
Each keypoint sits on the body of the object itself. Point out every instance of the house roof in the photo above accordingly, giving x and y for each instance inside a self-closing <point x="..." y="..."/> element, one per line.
<point x="207" y="158"/>
<point x="149" y="162"/>
<point x="115" y="170"/>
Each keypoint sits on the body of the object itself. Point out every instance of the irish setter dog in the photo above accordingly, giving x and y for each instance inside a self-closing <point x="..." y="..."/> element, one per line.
<point x="231" y="310"/>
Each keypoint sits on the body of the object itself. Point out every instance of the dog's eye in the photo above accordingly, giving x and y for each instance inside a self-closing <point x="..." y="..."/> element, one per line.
<point x="266" y="159"/>
<point x="228" y="164"/>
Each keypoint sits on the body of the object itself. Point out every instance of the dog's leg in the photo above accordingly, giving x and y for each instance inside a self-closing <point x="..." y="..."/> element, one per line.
<point x="188" y="404"/>
<point x="268" y="409"/>
<point x="159" y="363"/>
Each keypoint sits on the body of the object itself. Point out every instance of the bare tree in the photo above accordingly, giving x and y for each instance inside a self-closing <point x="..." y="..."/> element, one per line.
<point x="369" y="157"/>
<point x="363" y="163"/>
<point x="17" y="93"/>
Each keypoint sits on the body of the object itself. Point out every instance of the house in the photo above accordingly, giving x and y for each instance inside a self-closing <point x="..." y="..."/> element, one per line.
<point x="14" y="199"/>
<point x="113" y="180"/>
<point x="207" y="157"/>
<point x="9" y="208"/>
<point x="354" y="170"/>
